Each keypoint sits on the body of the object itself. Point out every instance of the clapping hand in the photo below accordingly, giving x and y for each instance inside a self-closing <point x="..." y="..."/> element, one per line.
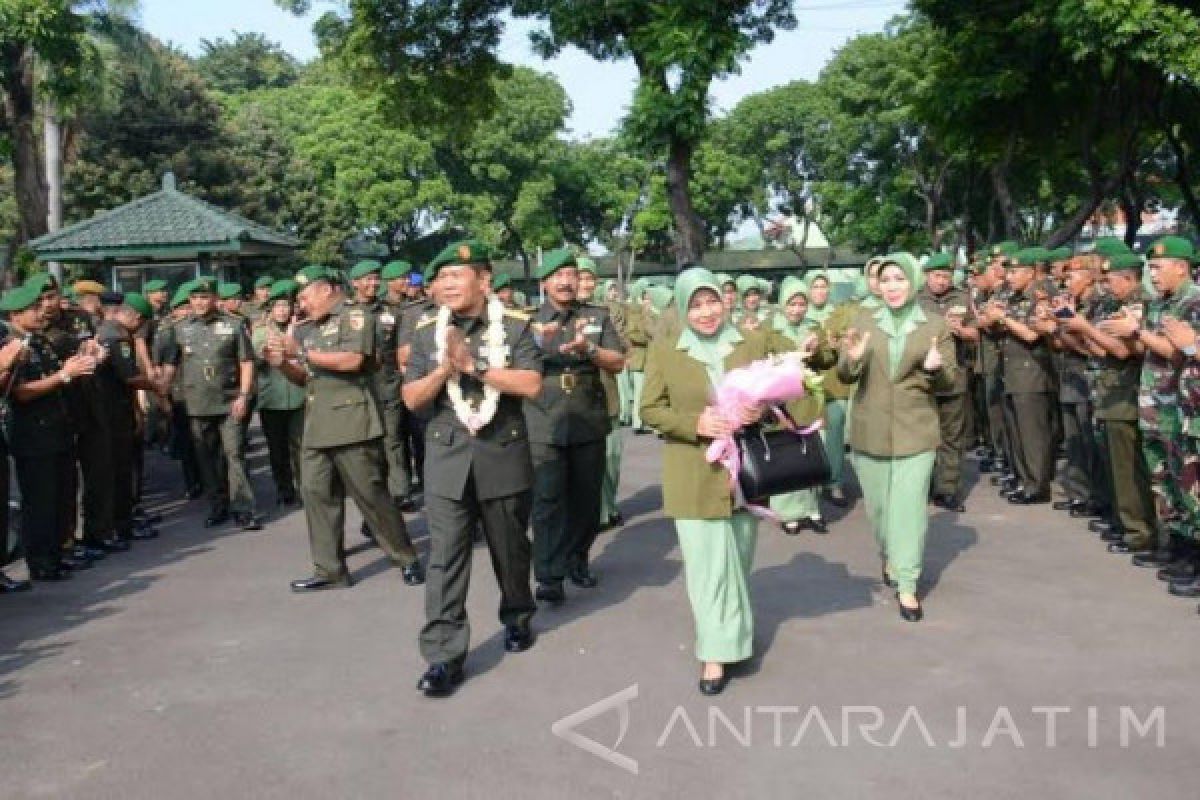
<point x="1179" y="333"/>
<point x="458" y="355"/>
<point x="11" y="353"/>
<point x="577" y="346"/>
<point x="933" y="358"/>
<point x="856" y="344"/>
<point x="1122" y="326"/>
<point x="79" y="365"/>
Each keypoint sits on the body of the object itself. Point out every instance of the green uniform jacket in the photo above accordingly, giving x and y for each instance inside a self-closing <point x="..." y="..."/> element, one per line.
<point x="209" y="351"/>
<point x="1028" y="368"/>
<point x="340" y="407"/>
<point x="1115" y="380"/>
<point x="898" y="417"/>
<point x="636" y="333"/>
<point x="676" y="393"/>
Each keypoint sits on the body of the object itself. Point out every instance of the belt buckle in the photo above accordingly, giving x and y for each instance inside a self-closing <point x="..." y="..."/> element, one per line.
<point x="210" y="373"/>
<point x="567" y="381"/>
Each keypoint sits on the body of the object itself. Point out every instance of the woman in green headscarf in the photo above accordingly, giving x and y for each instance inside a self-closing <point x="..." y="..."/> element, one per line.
<point x="753" y="313"/>
<point x="716" y="540"/>
<point x="638" y="335"/>
<point x="800" y="510"/>
<point x="618" y="402"/>
<point x="901" y="358"/>
<point x="833" y="321"/>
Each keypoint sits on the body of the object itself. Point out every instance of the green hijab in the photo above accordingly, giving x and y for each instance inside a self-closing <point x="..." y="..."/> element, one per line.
<point x="708" y="350"/>
<point x="600" y="293"/>
<point x="791" y="287"/>
<point x="660" y="297"/>
<point x="898" y="323"/>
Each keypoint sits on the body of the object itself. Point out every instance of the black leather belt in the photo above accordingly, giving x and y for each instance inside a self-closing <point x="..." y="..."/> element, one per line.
<point x="568" y="379"/>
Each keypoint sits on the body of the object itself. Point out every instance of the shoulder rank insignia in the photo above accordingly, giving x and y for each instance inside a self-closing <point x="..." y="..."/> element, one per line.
<point x="515" y="314"/>
<point x="425" y="321"/>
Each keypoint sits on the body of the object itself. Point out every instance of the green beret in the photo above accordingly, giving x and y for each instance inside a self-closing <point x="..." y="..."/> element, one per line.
<point x="20" y="298"/>
<point x="313" y="273"/>
<point x="42" y="282"/>
<point x="1110" y="246"/>
<point x="938" y="261"/>
<point x="585" y="264"/>
<point x="1121" y="262"/>
<point x="1029" y="257"/>
<point x="395" y="270"/>
<point x="139" y="304"/>
<point x="470" y="252"/>
<point x="1004" y="248"/>
<point x="1060" y="254"/>
<point x="555" y="260"/>
<point x="365" y="268"/>
<point x="156" y="285"/>
<point x="282" y="288"/>
<point x="501" y="280"/>
<point x="1172" y="247"/>
<point x="227" y="291"/>
<point x="264" y="282"/>
<point x="205" y="285"/>
<point x="181" y="294"/>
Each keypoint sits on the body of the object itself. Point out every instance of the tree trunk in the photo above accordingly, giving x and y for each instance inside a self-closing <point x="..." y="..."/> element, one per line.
<point x="53" y="135"/>
<point x="1067" y="231"/>
<point x="29" y="178"/>
<point x="1131" y="207"/>
<point x="1004" y="200"/>
<point x="690" y="235"/>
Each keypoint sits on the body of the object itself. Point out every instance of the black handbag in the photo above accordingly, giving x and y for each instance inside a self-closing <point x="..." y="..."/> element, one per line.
<point x="779" y="461"/>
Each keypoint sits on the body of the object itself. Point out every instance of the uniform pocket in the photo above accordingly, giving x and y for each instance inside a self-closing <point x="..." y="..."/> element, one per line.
<point x="440" y="434"/>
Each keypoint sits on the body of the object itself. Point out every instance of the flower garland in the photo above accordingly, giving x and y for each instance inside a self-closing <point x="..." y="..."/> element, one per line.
<point x="497" y="355"/>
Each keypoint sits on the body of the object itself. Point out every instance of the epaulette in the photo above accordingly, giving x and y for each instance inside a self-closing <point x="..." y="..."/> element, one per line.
<point x="524" y="316"/>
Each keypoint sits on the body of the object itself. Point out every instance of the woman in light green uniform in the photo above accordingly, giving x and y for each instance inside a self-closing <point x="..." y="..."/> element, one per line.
<point x="900" y="358"/>
<point x="833" y="322"/>
<point x="635" y="365"/>
<point x="280" y="402"/>
<point x="614" y="445"/>
<point x="716" y="540"/>
<point x="801" y="510"/>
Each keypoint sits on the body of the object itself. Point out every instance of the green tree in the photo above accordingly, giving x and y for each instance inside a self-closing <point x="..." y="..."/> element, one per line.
<point x="247" y="62"/>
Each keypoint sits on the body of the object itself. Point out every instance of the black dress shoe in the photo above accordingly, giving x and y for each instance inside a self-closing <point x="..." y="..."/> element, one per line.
<point x="142" y="534"/>
<point x="714" y="686"/>
<point x="1154" y="558"/>
<point x="440" y="680"/>
<point x="407" y="504"/>
<point x="949" y="503"/>
<point x="1185" y="588"/>
<point x="247" y="521"/>
<point x="1180" y="571"/>
<point x="616" y="520"/>
<point x="1123" y="548"/>
<point x="1029" y="499"/>
<point x="517" y="638"/>
<point x="551" y="593"/>
<point x="413" y="574"/>
<point x="986" y="466"/>
<point x="88" y="553"/>
<point x="11" y="585"/>
<point x="366" y="532"/>
<point x="1086" y="510"/>
<point x="837" y="497"/>
<point x="147" y="519"/>
<point x="1100" y="526"/>
<point x="194" y="492"/>
<point x="318" y="583"/>
<point x="216" y="518"/>
<point x="54" y="574"/>
<point x="818" y="525"/>
<point x="792" y="528"/>
<point x="909" y="614"/>
<point x="582" y="577"/>
<point x="288" y="500"/>
<point x="1063" y="505"/>
<point x="1112" y="536"/>
<point x="74" y="564"/>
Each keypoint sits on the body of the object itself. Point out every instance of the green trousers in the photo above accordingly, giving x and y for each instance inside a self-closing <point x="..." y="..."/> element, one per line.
<point x="718" y="555"/>
<point x="638" y="382"/>
<point x="953" y="415"/>
<point x="835" y="439"/>
<point x="614" y="449"/>
<point x="220" y="443"/>
<point x="284" y="431"/>
<point x="895" y="491"/>
<point x="1131" y="498"/>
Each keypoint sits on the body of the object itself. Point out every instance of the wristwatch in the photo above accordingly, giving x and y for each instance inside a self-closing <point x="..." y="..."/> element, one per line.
<point x="481" y="366"/>
<point x="591" y="349"/>
<point x="1189" y="351"/>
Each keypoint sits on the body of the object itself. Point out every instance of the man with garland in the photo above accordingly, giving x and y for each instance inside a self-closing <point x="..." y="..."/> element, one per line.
<point x="472" y="364"/>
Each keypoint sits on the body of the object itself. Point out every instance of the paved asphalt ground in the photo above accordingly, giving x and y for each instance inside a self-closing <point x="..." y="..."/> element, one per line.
<point x="186" y="669"/>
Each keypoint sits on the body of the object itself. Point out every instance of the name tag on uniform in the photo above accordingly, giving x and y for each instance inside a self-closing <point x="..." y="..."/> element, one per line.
<point x="330" y="329"/>
<point x="387" y="319"/>
<point x="958" y="310"/>
<point x="223" y="329"/>
<point x="593" y="328"/>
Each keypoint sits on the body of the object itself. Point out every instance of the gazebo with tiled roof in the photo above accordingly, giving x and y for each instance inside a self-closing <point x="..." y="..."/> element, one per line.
<point x="168" y="234"/>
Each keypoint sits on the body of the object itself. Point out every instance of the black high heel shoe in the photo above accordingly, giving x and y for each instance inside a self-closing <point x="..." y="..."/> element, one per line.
<point x="909" y="614"/>
<point x="714" y="686"/>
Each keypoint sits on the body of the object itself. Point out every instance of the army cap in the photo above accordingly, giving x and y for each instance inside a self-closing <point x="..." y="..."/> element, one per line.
<point x="20" y="298"/>
<point x="1029" y="257"/>
<point x="228" y="291"/>
<point x="1122" y="262"/>
<point x="470" y="252"/>
<point x="282" y="288"/>
<point x="42" y="281"/>
<point x="1110" y="246"/>
<point x="1008" y="248"/>
<point x="205" y="285"/>
<point x="138" y="303"/>
<point x="936" y="262"/>
<point x="1172" y="247"/>
<point x="555" y="260"/>
<point x="395" y="270"/>
<point x="1059" y="254"/>
<point x="501" y="280"/>
<point x="181" y="294"/>
<point x="88" y="287"/>
<point x="364" y="268"/>
<point x="264" y="282"/>
<point x="155" y="285"/>
<point x="313" y="273"/>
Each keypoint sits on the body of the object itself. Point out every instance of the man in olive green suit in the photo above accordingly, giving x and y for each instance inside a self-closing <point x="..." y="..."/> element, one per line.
<point x="330" y="355"/>
<point x="568" y="424"/>
<point x="473" y="362"/>
<point x="940" y="296"/>
<point x="212" y="351"/>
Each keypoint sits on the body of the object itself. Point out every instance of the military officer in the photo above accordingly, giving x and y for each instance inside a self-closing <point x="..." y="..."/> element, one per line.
<point x="280" y="402"/>
<point x="473" y="363"/>
<point x="395" y="282"/>
<point x="419" y="307"/>
<point x="257" y="306"/>
<point x="365" y="277"/>
<point x="1030" y="384"/>
<point x="155" y="292"/>
<point x="180" y="445"/>
<point x="941" y="297"/>
<point x="1115" y="371"/>
<point x="568" y="424"/>
<point x="994" y="295"/>
<point x="120" y="377"/>
<point x="41" y="434"/>
<point x="211" y="350"/>
<point x="331" y="355"/>
<point x="502" y="287"/>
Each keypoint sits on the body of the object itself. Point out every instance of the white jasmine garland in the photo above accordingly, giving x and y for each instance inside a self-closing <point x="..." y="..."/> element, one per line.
<point x="475" y="418"/>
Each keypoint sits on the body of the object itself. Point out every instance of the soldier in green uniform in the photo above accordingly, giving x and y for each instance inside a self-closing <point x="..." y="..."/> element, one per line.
<point x="502" y="287"/>
<point x="939" y="296"/>
<point x="991" y="356"/>
<point x="280" y="402"/>
<point x="331" y="355"/>
<point x="395" y="282"/>
<point x="366" y="279"/>
<point x="568" y="424"/>
<point x="181" y="446"/>
<point x="638" y="333"/>
<point x="120" y="376"/>
<point x="1115" y="371"/>
<point x="230" y="297"/>
<point x="614" y="447"/>
<point x="473" y="363"/>
<point x="1029" y="383"/>
<point x="418" y="307"/>
<point x="1162" y="424"/>
<point x="258" y="305"/>
<point x="211" y="350"/>
<point x="40" y="433"/>
<point x="156" y="294"/>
